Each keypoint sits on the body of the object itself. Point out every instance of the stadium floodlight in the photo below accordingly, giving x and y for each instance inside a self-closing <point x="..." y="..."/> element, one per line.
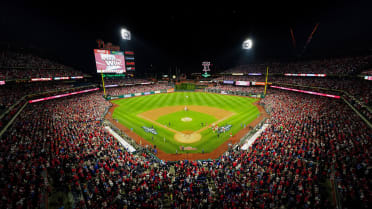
<point x="247" y="44"/>
<point x="125" y="34"/>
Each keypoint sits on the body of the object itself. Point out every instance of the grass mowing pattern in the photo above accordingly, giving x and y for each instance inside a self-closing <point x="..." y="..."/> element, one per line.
<point x="194" y="125"/>
<point x="129" y="108"/>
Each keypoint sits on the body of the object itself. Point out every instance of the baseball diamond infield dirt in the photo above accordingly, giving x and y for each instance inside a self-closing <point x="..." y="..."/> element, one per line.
<point x="186" y="136"/>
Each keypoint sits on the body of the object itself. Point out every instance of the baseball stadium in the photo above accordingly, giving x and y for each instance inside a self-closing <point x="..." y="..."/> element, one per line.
<point x="186" y="107"/>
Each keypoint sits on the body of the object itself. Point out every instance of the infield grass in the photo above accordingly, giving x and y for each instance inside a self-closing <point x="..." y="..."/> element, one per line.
<point x="126" y="114"/>
<point x="176" y="123"/>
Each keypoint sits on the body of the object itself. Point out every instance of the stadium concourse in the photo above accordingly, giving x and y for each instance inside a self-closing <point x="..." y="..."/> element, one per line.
<point x="58" y="148"/>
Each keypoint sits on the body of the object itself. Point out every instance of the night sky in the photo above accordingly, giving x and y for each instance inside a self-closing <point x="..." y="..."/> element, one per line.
<point x="166" y="36"/>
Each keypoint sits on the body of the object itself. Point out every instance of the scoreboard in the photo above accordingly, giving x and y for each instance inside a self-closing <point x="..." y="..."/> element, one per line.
<point x="109" y="61"/>
<point x="129" y="60"/>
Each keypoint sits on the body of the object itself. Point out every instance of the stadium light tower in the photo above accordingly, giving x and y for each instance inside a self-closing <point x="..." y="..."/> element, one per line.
<point x="125" y="34"/>
<point x="247" y="44"/>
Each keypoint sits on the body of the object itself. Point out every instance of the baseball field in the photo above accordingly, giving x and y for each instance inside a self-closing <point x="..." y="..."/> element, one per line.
<point x="186" y="122"/>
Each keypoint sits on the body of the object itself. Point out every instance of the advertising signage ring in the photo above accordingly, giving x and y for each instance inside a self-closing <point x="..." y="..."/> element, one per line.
<point x="368" y="78"/>
<point x="109" y="61"/>
<point x="41" y="79"/>
<point x="258" y="83"/>
<point x="61" y="78"/>
<point x="306" y="74"/>
<point x="307" y="92"/>
<point x="62" y="95"/>
<point x="77" y="77"/>
<point x="228" y="82"/>
<point x="242" y="83"/>
<point x="254" y="73"/>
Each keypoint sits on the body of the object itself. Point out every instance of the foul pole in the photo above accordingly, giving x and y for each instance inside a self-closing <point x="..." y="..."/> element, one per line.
<point x="267" y="75"/>
<point x="103" y="85"/>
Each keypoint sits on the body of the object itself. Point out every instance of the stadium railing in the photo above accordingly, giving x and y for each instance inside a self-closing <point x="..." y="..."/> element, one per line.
<point x="253" y="131"/>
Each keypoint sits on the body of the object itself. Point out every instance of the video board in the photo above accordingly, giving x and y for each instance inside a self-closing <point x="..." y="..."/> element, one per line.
<point x="109" y="61"/>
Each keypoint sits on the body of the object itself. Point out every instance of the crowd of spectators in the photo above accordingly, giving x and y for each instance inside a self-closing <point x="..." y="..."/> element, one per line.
<point x="19" y="65"/>
<point x="329" y="127"/>
<point x="11" y="93"/>
<point x="335" y="66"/>
<point x="41" y="138"/>
<point x="309" y="140"/>
<point x="358" y="87"/>
<point x="362" y="108"/>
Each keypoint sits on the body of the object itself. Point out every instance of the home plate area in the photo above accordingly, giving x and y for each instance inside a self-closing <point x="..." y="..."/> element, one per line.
<point x="187" y="148"/>
<point x="187" y="137"/>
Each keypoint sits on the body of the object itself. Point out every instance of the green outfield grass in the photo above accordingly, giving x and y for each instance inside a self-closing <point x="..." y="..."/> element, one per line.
<point x="177" y="124"/>
<point x="126" y="113"/>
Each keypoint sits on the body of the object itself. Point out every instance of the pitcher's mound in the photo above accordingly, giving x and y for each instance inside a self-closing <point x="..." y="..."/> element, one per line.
<point x="186" y="119"/>
<point x="187" y="137"/>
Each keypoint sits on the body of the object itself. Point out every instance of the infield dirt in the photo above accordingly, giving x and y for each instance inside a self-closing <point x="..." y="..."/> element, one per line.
<point x="186" y="137"/>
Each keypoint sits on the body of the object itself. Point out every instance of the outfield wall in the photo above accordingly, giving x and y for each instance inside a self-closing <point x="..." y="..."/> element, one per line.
<point x="140" y="94"/>
<point x="238" y="93"/>
<point x="219" y="91"/>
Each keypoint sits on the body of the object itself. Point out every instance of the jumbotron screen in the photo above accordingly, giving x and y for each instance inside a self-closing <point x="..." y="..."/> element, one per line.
<point x="109" y="61"/>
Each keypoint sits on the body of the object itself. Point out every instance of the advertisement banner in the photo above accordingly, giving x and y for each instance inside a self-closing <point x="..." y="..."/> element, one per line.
<point x="170" y="90"/>
<point x="305" y="74"/>
<point x="137" y="94"/>
<point x="77" y="77"/>
<point x="307" y="92"/>
<point x="254" y="73"/>
<point x="109" y="61"/>
<point x="127" y="95"/>
<point x="368" y="78"/>
<point x="61" y="78"/>
<point x="2" y="82"/>
<point x="62" y="95"/>
<point x="41" y="79"/>
<point x="242" y="83"/>
<point x="260" y="83"/>
<point x="228" y="82"/>
<point x="157" y="92"/>
<point x="112" y="85"/>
